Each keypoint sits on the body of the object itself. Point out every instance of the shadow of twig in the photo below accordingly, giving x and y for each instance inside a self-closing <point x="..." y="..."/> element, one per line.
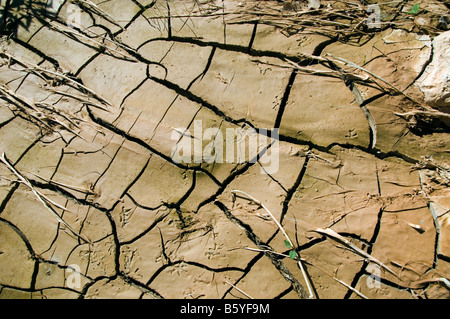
<point x="19" y="13"/>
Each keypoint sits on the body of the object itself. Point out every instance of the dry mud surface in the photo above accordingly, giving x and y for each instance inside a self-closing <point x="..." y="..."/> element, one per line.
<point x="93" y="206"/>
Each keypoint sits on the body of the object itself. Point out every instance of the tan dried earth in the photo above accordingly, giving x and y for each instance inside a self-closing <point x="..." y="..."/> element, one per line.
<point x="93" y="206"/>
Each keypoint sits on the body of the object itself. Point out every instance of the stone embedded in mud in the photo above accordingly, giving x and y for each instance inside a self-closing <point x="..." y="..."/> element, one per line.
<point x="435" y="81"/>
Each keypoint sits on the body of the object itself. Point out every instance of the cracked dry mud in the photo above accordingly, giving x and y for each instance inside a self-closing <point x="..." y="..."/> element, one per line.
<point x="89" y="190"/>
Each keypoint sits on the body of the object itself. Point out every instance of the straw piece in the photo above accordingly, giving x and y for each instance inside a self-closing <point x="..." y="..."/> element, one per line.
<point x="299" y="262"/>
<point x="42" y="198"/>
<point x="331" y="233"/>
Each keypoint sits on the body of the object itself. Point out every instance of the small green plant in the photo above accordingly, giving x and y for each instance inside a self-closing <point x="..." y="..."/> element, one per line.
<point x="295" y="256"/>
<point x="292" y="252"/>
<point x="287" y="242"/>
<point x="415" y="9"/>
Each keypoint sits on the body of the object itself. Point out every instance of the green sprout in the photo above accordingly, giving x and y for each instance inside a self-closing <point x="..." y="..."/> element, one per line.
<point x="292" y="252"/>
<point x="415" y="9"/>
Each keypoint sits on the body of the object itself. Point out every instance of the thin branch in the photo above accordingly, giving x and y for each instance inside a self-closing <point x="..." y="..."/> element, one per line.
<point x="332" y="234"/>
<point x="31" y="67"/>
<point x="42" y="198"/>
<point x="299" y="262"/>
<point x="242" y="292"/>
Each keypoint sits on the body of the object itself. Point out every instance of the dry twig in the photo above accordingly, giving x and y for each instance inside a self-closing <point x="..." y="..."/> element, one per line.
<point x="332" y="234"/>
<point x="42" y="198"/>
<point x="299" y="261"/>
